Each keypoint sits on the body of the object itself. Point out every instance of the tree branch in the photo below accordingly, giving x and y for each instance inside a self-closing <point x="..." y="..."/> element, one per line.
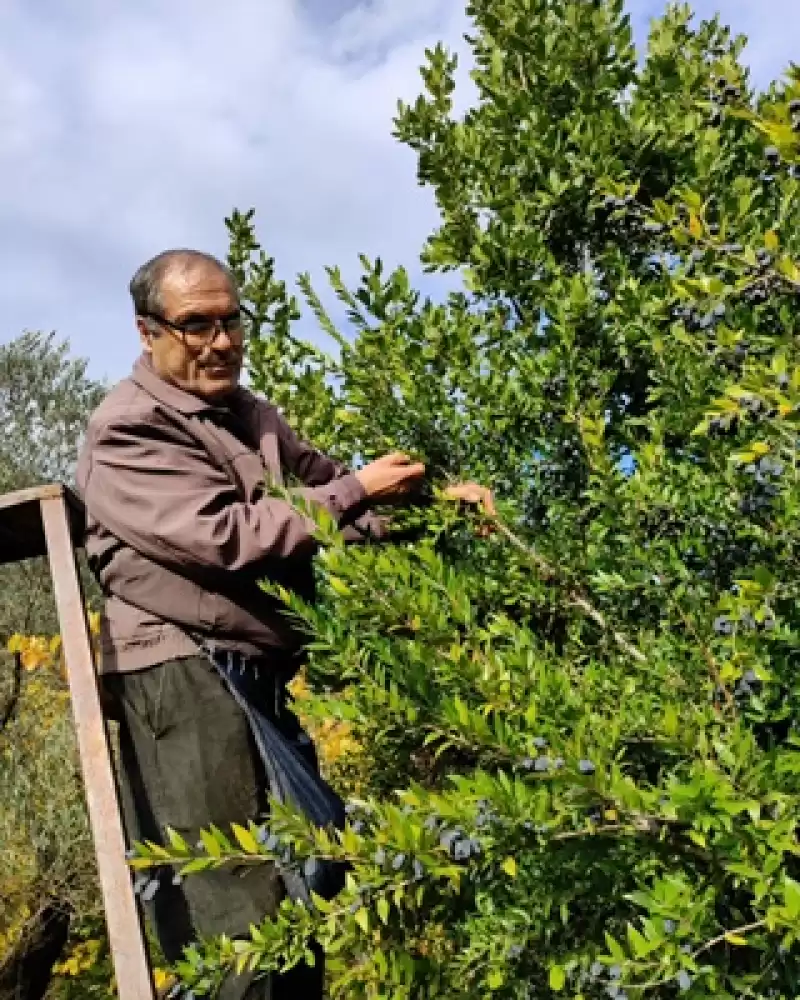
<point x="574" y="595"/>
<point x="10" y="708"/>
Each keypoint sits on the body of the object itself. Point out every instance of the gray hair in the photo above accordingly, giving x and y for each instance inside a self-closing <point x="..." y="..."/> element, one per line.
<point x="145" y="286"/>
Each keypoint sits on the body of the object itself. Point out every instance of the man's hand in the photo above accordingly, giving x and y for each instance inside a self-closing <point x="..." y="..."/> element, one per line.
<point x="391" y="478"/>
<point x="472" y="493"/>
<point x="476" y="494"/>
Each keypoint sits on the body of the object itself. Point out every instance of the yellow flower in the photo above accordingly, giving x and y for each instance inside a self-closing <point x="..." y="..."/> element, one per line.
<point x="162" y="979"/>
<point x="37" y="651"/>
<point x="33" y="650"/>
<point x="84" y="955"/>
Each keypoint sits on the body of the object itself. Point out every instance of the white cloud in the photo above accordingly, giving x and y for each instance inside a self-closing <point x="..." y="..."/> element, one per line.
<point x="127" y="128"/>
<point x="136" y="127"/>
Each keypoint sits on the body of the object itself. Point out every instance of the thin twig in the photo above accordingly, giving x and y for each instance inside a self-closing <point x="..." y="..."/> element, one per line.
<point x="754" y="926"/>
<point x="713" y="666"/>
<point x="637" y="826"/>
<point x="699" y="951"/>
<point x="575" y="596"/>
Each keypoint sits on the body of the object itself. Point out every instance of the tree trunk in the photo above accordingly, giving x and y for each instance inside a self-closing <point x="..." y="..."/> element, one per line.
<point x="25" y="973"/>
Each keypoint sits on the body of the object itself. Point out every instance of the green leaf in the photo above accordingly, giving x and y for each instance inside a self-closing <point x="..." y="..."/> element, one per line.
<point x="639" y="945"/>
<point x="791" y="890"/>
<point x="176" y="841"/>
<point x="509" y="866"/>
<point x="196" y="865"/>
<point x="495" y="979"/>
<point x="557" y="978"/>
<point x="735" y="939"/>
<point x="614" y="948"/>
<point x="245" y="839"/>
<point x="763" y="577"/>
<point x="210" y="843"/>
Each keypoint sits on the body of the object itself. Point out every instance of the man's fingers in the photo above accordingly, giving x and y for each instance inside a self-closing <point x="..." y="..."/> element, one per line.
<point x="409" y="473"/>
<point x="472" y="493"/>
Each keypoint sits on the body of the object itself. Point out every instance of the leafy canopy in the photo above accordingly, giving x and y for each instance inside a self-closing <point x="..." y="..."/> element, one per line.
<point x="581" y="774"/>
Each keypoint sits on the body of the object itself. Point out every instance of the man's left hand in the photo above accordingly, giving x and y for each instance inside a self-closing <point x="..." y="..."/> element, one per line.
<point x="474" y="493"/>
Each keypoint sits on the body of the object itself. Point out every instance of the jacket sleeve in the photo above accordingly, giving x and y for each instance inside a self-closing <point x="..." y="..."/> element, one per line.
<point x="314" y="469"/>
<point x="154" y="488"/>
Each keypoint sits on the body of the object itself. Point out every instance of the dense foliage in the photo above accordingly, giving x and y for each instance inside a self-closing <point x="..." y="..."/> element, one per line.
<point x="582" y="774"/>
<point x="46" y="397"/>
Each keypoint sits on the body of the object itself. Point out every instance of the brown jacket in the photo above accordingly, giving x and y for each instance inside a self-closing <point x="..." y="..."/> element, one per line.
<point x="179" y="532"/>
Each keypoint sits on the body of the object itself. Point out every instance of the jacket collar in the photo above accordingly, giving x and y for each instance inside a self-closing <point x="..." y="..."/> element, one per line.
<point x="241" y="401"/>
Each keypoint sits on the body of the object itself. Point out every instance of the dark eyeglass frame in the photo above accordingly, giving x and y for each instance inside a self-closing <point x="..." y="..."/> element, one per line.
<point x="202" y="331"/>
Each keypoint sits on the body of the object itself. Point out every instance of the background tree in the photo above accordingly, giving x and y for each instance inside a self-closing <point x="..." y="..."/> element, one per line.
<point x="47" y="876"/>
<point x="45" y="401"/>
<point x="581" y="772"/>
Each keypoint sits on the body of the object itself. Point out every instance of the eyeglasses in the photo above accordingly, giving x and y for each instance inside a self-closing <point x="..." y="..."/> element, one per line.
<point x="200" y="331"/>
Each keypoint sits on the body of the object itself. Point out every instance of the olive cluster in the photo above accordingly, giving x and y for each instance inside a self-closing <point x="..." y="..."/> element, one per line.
<point x="608" y="976"/>
<point x="775" y="163"/>
<point x="695" y="318"/>
<point x="758" y="407"/>
<point x="764" y="475"/>
<point x="765" y="281"/>
<point x="747" y="686"/>
<point x="626" y="217"/>
<point x="396" y="861"/>
<point x="717" y="550"/>
<point x="723" y="425"/>
<point x="148" y="883"/>
<point x="794" y="112"/>
<point x="722" y="93"/>
<point x="277" y="845"/>
<point x="724" y="625"/>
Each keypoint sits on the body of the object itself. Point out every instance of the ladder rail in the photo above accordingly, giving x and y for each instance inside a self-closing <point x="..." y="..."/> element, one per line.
<point x="47" y="520"/>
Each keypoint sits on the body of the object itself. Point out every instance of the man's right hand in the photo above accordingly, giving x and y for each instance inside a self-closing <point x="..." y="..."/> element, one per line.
<point x="391" y="478"/>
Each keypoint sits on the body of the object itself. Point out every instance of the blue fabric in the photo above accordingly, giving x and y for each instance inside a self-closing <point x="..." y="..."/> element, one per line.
<point x="292" y="775"/>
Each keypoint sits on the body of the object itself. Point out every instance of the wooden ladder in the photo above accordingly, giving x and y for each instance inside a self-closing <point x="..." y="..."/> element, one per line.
<point x="48" y="521"/>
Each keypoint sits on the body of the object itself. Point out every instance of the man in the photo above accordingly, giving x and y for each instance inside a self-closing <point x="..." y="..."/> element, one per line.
<point x="179" y="533"/>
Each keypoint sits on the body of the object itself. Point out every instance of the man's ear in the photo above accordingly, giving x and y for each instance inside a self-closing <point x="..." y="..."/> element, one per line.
<point x="145" y="334"/>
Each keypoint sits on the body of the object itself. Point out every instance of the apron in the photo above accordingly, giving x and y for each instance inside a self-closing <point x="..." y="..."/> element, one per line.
<point x="291" y="768"/>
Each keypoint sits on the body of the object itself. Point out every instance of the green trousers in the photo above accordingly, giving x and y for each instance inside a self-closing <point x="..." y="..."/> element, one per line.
<point x="186" y="760"/>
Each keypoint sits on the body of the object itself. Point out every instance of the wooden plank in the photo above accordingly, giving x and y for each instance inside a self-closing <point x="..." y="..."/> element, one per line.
<point x="21" y="530"/>
<point x="125" y="932"/>
<point x="33" y="493"/>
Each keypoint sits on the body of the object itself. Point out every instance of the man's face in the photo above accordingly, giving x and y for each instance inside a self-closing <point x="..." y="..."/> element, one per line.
<point x="207" y="365"/>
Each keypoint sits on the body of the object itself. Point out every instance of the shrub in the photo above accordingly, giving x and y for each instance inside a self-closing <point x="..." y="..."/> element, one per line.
<point x="582" y="767"/>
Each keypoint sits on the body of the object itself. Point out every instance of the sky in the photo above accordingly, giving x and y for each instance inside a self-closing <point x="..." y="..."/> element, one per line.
<point x="127" y="128"/>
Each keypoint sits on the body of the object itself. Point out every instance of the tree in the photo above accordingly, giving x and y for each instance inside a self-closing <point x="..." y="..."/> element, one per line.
<point x="581" y="773"/>
<point x="45" y="401"/>
<point x="48" y="871"/>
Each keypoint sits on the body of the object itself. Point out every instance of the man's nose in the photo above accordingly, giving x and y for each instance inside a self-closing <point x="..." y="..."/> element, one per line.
<point x="220" y="332"/>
